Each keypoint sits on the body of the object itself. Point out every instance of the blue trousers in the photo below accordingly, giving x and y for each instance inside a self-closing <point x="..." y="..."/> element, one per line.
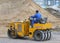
<point x="33" y="21"/>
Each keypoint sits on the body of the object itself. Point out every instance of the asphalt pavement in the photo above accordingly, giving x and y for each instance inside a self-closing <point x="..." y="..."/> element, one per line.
<point x="55" y="39"/>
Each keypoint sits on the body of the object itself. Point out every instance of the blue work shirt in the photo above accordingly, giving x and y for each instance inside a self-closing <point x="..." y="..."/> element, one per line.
<point x="38" y="16"/>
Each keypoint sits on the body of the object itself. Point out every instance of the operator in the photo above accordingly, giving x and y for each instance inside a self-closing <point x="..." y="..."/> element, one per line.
<point x="36" y="18"/>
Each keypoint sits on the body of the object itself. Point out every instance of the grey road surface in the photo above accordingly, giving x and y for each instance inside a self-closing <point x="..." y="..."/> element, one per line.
<point x="55" y="39"/>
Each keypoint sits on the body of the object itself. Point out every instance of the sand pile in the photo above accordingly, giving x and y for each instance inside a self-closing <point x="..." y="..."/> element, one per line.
<point x="17" y="10"/>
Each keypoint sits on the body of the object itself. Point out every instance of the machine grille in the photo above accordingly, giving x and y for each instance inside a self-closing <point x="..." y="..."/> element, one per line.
<point x="19" y="27"/>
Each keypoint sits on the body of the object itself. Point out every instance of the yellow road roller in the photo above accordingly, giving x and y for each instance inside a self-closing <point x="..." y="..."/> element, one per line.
<point x="40" y="31"/>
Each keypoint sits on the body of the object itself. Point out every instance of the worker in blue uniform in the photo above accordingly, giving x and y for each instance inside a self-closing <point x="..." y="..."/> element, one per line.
<point x="35" y="18"/>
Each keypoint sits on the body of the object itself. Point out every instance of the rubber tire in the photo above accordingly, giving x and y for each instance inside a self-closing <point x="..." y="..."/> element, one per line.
<point x="9" y="34"/>
<point x="48" y="35"/>
<point x="45" y="35"/>
<point x="41" y="38"/>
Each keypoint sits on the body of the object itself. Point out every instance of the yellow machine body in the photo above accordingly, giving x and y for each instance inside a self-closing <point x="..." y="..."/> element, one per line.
<point x="24" y="29"/>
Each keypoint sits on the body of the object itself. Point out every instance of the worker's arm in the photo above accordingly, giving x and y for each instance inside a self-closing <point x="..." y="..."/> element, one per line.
<point x="38" y="15"/>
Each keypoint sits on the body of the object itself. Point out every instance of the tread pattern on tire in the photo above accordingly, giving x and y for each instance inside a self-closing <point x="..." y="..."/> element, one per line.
<point x="49" y="35"/>
<point x="41" y="36"/>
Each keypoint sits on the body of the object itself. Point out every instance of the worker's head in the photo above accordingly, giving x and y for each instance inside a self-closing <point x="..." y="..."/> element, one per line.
<point x="37" y="11"/>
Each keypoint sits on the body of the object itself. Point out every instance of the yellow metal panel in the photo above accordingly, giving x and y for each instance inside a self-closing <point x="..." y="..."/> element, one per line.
<point x="32" y="31"/>
<point x="20" y="33"/>
<point x="48" y="25"/>
<point x="11" y="24"/>
<point x="26" y="28"/>
<point x="39" y="27"/>
<point x="43" y="26"/>
<point x="22" y="30"/>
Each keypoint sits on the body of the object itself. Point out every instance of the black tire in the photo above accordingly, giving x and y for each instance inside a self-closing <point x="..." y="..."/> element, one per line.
<point x="38" y="35"/>
<point x="45" y="35"/>
<point x="48" y="35"/>
<point x="10" y="34"/>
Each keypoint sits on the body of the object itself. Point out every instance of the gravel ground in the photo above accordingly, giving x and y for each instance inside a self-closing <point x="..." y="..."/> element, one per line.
<point x="55" y="39"/>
